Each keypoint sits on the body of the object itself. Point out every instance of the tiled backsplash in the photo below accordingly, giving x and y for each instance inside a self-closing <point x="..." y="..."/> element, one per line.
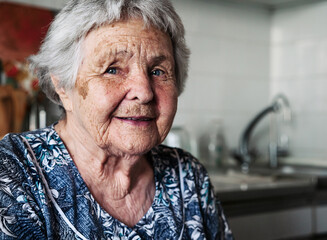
<point x="299" y="69"/>
<point x="229" y="69"/>
<point x="243" y="56"/>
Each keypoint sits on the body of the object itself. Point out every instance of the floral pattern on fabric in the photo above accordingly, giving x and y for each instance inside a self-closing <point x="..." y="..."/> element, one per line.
<point x="56" y="203"/>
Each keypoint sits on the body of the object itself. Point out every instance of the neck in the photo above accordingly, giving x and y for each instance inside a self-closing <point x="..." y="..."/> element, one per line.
<point x="100" y="169"/>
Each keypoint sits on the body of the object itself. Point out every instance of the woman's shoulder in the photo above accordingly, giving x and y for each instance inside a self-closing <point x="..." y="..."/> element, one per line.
<point x="45" y="135"/>
<point x="21" y="198"/>
<point x="168" y="157"/>
<point x="173" y="154"/>
<point x="13" y="145"/>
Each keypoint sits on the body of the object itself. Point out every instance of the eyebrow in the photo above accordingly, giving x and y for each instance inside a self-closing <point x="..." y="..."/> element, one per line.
<point x="119" y="54"/>
<point x="157" y="60"/>
<point x="107" y="56"/>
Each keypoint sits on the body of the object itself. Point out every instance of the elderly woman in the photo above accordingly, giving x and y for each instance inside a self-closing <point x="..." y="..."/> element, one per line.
<point x="116" y="67"/>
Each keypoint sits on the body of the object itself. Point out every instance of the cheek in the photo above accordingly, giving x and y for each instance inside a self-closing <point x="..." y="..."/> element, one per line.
<point x="167" y="107"/>
<point x="83" y="89"/>
<point x="104" y="98"/>
<point x="169" y="99"/>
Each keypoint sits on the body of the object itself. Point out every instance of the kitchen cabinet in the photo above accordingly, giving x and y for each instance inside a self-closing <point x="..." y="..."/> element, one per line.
<point x="270" y="215"/>
<point x="273" y="207"/>
<point x="282" y="224"/>
<point x="320" y="210"/>
<point x="320" y="218"/>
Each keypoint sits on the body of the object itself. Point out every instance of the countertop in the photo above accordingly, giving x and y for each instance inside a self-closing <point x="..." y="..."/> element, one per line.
<point x="263" y="190"/>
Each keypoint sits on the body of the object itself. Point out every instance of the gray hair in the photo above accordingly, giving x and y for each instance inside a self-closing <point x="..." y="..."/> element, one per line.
<point x="61" y="53"/>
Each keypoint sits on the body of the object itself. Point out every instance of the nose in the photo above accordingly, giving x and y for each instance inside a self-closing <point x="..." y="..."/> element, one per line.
<point x="140" y="87"/>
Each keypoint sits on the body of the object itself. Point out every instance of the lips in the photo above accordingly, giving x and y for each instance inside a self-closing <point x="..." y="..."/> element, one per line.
<point x="136" y="118"/>
<point x="136" y="114"/>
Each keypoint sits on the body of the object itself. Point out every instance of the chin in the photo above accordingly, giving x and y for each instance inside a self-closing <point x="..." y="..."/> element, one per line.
<point x="139" y="147"/>
<point x="136" y="150"/>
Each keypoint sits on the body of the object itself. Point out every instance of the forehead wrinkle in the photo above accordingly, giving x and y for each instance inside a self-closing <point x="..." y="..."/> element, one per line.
<point x="122" y="37"/>
<point x="147" y="49"/>
<point x="154" y="53"/>
<point x="112" y="55"/>
<point x="107" y="39"/>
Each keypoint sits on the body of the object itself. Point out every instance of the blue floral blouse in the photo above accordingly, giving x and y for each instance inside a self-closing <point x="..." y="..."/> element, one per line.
<point x="43" y="196"/>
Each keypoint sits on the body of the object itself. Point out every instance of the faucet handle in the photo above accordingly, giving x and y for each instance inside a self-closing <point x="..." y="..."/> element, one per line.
<point x="283" y="146"/>
<point x="276" y="150"/>
<point x="282" y="152"/>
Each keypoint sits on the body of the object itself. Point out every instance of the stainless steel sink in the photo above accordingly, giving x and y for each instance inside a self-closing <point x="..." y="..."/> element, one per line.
<point x="290" y="170"/>
<point x="225" y="180"/>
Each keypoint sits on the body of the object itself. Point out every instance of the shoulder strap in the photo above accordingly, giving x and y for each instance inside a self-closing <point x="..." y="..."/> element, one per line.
<point x="181" y="180"/>
<point x="47" y="188"/>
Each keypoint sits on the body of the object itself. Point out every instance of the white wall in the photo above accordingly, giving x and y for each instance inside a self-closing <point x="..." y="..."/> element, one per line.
<point x="229" y="66"/>
<point x="299" y="69"/>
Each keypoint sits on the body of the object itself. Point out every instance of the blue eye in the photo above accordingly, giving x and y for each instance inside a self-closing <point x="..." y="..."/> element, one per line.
<point x="157" y="72"/>
<point x="112" y="70"/>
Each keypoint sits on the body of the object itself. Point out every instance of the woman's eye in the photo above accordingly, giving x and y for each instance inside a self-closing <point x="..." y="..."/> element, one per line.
<point x="157" y="72"/>
<point x="111" y="70"/>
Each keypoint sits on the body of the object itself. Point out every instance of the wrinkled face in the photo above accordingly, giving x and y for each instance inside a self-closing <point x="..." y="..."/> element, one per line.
<point x="125" y="97"/>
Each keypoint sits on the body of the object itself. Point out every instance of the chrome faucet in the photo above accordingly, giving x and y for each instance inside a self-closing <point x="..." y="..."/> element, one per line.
<point x="278" y="145"/>
<point x="279" y="140"/>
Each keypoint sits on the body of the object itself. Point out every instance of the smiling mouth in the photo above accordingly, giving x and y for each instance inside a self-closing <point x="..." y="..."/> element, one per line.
<point x="141" y="119"/>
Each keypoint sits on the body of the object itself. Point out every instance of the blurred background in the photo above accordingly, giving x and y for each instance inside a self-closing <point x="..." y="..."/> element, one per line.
<point x="244" y="54"/>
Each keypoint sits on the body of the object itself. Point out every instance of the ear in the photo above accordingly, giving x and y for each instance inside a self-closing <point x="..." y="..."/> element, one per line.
<point x="65" y="96"/>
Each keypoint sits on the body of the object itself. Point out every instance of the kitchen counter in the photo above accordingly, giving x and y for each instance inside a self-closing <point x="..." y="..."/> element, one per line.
<point x="261" y="191"/>
<point x="285" y="203"/>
